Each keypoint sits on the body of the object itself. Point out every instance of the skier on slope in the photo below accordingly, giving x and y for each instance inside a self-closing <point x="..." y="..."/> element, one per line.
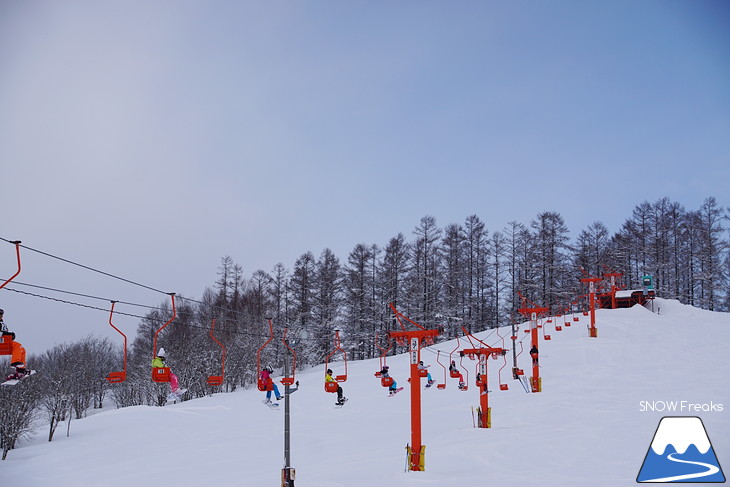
<point x="340" y="398"/>
<point x="159" y="362"/>
<point x="269" y="384"/>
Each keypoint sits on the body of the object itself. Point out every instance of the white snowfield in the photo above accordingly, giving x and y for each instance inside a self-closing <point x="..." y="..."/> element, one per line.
<point x="587" y="428"/>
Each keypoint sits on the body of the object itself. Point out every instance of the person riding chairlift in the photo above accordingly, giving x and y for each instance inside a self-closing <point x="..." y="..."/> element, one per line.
<point x="394" y="386"/>
<point x="159" y="362"/>
<point x="269" y="384"/>
<point x="429" y="382"/>
<point x="454" y="368"/>
<point x="17" y="357"/>
<point x="340" y="398"/>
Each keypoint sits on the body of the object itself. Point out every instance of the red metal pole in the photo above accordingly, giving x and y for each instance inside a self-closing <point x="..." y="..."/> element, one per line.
<point x="17" y="252"/>
<point x="591" y="281"/>
<point x="534" y="353"/>
<point x="174" y="315"/>
<point x="415" y="351"/>
<point x="483" y="391"/>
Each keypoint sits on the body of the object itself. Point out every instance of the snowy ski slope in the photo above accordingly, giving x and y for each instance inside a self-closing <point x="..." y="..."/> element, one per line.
<point x="589" y="427"/>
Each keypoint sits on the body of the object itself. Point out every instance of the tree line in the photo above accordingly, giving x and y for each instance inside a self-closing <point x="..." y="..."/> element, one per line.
<point x="459" y="275"/>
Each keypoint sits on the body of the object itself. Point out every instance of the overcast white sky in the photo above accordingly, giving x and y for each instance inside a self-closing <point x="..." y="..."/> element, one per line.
<point x="149" y="139"/>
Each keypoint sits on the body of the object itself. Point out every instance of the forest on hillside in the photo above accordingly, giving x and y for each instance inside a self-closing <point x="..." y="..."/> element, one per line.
<point x="459" y="275"/>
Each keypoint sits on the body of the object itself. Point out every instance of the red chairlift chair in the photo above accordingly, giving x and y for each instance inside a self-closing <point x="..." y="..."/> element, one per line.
<point x="332" y="386"/>
<point x="162" y="374"/>
<point x="6" y="345"/>
<point x="288" y="381"/>
<point x="217" y="380"/>
<point x="121" y="376"/>
<point x="264" y="386"/>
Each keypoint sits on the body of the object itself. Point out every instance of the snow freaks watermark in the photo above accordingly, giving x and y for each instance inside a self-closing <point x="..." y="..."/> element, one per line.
<point x="680" y="451"/>
<point x="686" y="407"/>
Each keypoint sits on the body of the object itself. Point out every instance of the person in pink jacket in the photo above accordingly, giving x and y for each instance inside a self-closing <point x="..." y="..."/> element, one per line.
<point x="269" y="384"/>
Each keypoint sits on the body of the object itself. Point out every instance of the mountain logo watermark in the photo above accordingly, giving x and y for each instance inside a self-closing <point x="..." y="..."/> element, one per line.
<point x="680" y="452"/>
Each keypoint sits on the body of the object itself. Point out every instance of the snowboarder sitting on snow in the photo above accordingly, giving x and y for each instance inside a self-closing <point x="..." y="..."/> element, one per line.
<point x="328" y="378"/>
<point x="269" y="384"/>
<point x="428" y="377"/>
<point x="453" y="368"/>
<point x="159" y="362"/>
<point x="394" y="386"/>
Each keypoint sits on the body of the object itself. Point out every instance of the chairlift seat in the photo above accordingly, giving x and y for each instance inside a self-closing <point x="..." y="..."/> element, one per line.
<point x="215" y="380"/>
<point x="504" y="387"/>
<point x="422" y="373"/>
<point x="330" y="386"/>
<point x="116" y="377"/>
<point x="161" y="374"/>
<point x="377" y="374"/>
<point x="547" y="337"/>
<point x="266" y="385"/>
<point x="558" y="328"/>
<point x="341" y="378"/>
<point x="455" y="374"/>
<point x="287" y="381"/>
<point x="386" y="381"/>
<point x="440" y="386"/>
<point x="6" y="346"/>
<point x="520" y="372"/>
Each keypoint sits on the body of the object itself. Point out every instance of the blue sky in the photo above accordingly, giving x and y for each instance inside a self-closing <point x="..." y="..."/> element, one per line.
<point x="150" y="140"/>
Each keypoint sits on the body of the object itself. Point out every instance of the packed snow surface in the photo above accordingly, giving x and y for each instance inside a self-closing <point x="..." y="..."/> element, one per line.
<point x="592" y="425"/>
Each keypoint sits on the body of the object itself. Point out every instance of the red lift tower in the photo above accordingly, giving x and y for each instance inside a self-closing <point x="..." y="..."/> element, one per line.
<point x="416" y="339"/>
<point x="482" y="354"/>
<point x="591" y="281"/>
<point x="532" y="313"/>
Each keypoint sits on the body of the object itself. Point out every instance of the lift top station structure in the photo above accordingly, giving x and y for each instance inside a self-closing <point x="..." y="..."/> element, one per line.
<point x="416" y="451"/>
<point x="533" y="313"/>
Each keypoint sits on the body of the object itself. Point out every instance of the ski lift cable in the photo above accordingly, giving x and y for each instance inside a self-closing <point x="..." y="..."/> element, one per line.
<point x="82" y="295"/>
<point x="89" y="268"/>
<point x="121" y="313"/>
